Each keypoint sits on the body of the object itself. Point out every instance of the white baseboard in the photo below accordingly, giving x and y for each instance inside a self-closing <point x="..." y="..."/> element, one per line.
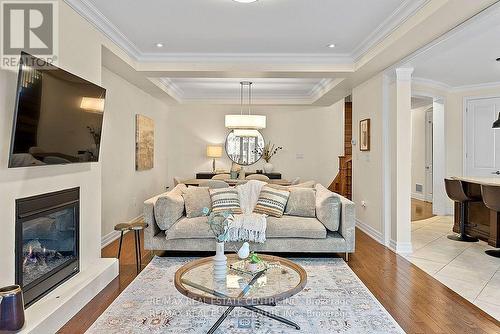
<point x="418" y="196"/>
<point x="400" y="247"/>
<point x="113" y="235"/>
<point x="372" y="233"/>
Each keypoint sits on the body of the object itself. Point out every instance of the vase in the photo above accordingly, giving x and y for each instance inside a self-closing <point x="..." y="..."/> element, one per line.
<point x="11" y="308"/>
<point x="220" y="262"/>
<point x="268" y="167"/>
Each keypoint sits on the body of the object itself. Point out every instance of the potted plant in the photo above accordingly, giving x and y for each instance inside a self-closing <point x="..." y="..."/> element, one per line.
<point x="253" y="262"/>
<point x="268" y="152"/>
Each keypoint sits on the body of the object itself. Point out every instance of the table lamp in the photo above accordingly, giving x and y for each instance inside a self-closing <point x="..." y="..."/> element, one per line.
<point x="214" y="151"/>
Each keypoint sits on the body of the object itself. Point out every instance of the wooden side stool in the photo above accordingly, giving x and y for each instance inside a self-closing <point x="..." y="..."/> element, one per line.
<point x="122" y="228"/>
<point x="136" y="228"/>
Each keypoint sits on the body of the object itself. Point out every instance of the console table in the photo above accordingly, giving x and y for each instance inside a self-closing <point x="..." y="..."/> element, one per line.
<point x="209" y="175"/>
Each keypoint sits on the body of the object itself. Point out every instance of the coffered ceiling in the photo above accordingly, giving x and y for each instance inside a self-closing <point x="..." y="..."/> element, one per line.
<point x="210" y="28"/>
<point x="264" y="90"/>
<point x="208" y="46"/>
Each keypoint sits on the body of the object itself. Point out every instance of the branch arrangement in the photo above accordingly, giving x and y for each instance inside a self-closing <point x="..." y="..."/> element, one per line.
<point x="268" y="151"/>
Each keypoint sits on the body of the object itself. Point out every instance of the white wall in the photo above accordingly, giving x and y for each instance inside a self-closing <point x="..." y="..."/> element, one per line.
<point x="418" y="151"/>
<point x="81" y="56"/>
<point x="367" y="101"/>
<point x="123" y="188"/>
<point x="314" y="132"/>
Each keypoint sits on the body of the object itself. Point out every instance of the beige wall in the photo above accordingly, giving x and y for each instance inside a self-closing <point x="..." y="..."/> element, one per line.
<point x="315" y="133"/>
<point x="418" y="150"/>
<point x="367" y="100"/>
<point x="123" y="188"/>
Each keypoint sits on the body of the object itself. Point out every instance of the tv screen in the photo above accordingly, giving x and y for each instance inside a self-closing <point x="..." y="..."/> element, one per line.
<point x="58" y="116"/>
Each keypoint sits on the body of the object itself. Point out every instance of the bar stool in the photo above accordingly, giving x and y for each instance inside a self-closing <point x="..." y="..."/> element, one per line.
<point x="491" y="198"/>
<point x="456" y="192"/>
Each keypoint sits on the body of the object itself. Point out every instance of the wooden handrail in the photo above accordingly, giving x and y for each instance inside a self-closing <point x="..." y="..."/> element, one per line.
<point x="342" y="182"/>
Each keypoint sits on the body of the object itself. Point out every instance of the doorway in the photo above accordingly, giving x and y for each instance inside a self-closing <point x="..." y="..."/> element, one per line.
<point x="422" y="157"/>
<point x="482" y="142"/>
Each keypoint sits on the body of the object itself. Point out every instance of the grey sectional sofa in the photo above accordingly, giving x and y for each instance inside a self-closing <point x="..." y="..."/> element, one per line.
<point x="288" y="234"/>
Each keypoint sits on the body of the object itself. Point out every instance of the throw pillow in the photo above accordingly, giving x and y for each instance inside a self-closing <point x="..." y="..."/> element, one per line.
<point x="169" y="207"/>
<point x="328" y="207"/>
<point x="302" y="202"/>
<point x="272" y="201"/>
<point x="225" y="199"/>
<point x="195" y="199"/>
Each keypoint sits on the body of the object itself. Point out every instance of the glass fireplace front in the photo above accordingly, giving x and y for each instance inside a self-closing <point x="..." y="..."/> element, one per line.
<point x="47" y="233"/>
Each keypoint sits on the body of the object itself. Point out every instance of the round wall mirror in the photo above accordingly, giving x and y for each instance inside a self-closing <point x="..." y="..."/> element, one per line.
<point x="244" y="147"/>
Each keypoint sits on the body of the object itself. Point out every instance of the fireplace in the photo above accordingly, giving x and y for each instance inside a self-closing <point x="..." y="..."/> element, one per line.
<point x="47" y="242"/>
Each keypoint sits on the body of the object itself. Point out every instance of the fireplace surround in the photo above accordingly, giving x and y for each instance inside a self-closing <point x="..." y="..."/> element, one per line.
<point x="47" y="242"/>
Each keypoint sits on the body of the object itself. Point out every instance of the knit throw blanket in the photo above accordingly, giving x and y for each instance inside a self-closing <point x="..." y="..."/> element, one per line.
<point x="248" y="226"/>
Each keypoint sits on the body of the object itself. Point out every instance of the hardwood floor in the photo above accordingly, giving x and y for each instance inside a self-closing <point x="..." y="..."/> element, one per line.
<point x="420" y="210"/>
<point x="418" y="302"/>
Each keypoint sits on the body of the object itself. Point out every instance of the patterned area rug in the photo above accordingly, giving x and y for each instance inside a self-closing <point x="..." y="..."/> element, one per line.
<point x="334" y="301"/>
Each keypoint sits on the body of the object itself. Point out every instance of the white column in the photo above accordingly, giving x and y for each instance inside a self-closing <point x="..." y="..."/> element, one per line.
<point x="403" y="153"/>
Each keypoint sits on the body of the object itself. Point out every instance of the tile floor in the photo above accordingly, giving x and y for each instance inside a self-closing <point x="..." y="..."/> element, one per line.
<point x="461" y="266"/>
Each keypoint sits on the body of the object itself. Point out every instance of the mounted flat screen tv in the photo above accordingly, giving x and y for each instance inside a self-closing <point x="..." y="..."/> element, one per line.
<point x="58" y="116"/>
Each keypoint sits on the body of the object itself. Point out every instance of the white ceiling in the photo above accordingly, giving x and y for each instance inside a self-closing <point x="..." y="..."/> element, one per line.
<point x="467" y="58"/>
<point x="264" y="90"/>
<point x="303" y="27"/>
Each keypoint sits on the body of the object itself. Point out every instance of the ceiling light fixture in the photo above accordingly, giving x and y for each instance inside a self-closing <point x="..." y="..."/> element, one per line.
<point x="247" y="121"/>
<point x="159" y="45"/>
<point x="331" y="46"/>
<point x="498" y="59"/>
<point x="245" y="1"/>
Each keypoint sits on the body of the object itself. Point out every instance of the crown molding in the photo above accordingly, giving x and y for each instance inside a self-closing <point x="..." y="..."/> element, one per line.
<point x="320" y="89"/>
<point x="399" y="16"/>
<point x="88" y="11"/>
<point x="454" y="89"/>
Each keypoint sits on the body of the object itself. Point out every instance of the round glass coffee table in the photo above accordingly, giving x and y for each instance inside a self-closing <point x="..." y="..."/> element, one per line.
<point x="281" y="280"/>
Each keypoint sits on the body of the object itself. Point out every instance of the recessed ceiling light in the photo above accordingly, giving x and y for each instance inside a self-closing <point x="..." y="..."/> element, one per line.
<point x="245" y="1"/>
<point x="159" y="45"/>
<point x="331" y="46"/>
<point x="498" y="59"/>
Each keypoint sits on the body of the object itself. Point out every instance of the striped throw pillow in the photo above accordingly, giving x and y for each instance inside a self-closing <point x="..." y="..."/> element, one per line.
<point x="225" y="199"/>
<point x="272" y="202"/>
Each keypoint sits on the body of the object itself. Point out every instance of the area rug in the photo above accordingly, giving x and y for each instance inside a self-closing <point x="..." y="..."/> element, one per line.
<point x="334" y="301"/>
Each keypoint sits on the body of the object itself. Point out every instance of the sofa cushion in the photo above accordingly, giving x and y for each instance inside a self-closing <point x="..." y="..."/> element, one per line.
<point x="169" y="207"/>
<point x="284" y="227"/>
<point x="190" y="228"/>
<point x="295" y="227"/>
<point x="328" y="207"/>
<point x="307" y="184"/>
<point x="225" y="199"/>
<point x="301" y="202"/>
<point x="195" y="200"/>
<point x="272" y="201"/>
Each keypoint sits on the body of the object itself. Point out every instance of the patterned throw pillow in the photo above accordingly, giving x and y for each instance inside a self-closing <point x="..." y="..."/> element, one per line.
<point x="272" y="202"/>
<point x="225" y="199"/>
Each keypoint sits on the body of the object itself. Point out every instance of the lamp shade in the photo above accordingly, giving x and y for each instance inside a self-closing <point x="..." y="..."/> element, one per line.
<point x="214" y="151"/>
<point x="496" y="124"/>
<point x="245" y="133"/>
<point x="92" y="104"/>
<point x="254" y="122"/>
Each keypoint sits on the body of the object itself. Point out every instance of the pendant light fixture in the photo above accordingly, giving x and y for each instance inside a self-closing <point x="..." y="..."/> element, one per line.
<point x="496" y="124"/>
<point x="245" y="121"/>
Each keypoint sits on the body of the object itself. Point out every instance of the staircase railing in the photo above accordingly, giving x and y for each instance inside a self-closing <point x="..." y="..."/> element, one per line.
<point x="342" y="184"/>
